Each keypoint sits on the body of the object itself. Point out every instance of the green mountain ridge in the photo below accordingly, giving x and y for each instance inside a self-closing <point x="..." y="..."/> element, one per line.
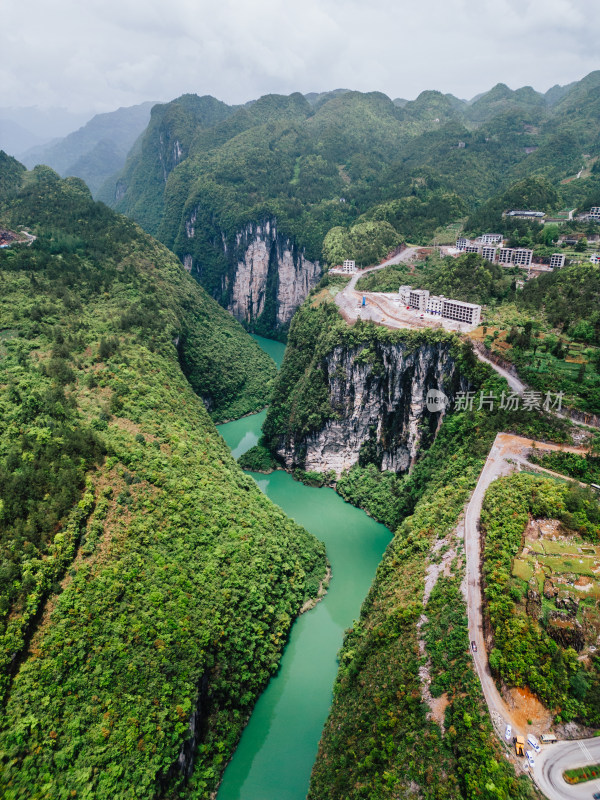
<point x="98" y="149"/>
<point x="197" y="181"/>
<point x="145" y="582"/>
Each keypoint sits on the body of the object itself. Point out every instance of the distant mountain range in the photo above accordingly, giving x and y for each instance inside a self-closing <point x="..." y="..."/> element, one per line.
<point x="96" y="150"/>
<point x="203" y="173"/>
<point x="214" y="182"/>
<point x="22" y="128"/>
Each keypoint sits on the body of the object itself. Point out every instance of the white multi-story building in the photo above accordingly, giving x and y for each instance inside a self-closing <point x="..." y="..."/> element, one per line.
<point x="461" y="312"/>
<point x="489" y="252"/>
<point x="471" y="248"/>
<point x="491" y="238"/>
<point x="435" y="305"/>
<point x="557" y="260"/>
<point x="461" y="243"/>
<point x="349" y="266"/>
<point x="595" y="212"/>
<point x="414" y="298"/>
<point x="418" y="299"/>
<point x="456" y="310"/>
<point x="522" y="257"/>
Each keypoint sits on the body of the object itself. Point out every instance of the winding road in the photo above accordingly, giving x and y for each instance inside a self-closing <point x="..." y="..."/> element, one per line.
<point x="507" y="452"/>
<point x="556" y="758"/>
<point x="382" y="307"/>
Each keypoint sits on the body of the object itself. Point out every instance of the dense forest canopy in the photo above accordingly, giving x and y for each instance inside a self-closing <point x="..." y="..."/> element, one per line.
<point x="143" y="576"/>
<point x="343" y="158"/>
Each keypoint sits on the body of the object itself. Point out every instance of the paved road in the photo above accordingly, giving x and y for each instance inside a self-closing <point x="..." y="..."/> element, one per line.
<point x="554" y="759"/>
<point x="404" y="255"/>
<point x="495" y="466"/>
<point x="514" y="383"/>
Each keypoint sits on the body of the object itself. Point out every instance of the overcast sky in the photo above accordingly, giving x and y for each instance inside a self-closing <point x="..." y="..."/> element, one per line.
<point x="96" y="55"/>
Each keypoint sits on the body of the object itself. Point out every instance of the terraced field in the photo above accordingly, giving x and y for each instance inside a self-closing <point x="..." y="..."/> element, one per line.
<point x="566" y="570"/>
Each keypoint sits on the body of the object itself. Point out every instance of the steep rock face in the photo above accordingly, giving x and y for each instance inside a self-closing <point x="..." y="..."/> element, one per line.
<point x="380" y="404"/>
<point x="268" y="275"/>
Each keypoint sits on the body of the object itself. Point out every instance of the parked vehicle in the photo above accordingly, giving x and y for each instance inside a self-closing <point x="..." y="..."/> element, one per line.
<point x="530" y="758"/>
<point x="508" y="733"/>
<point x="548" y="738"/>
<point x="520" y="745"/>
<point x="533" y="742"/>
<point x="474" y="647"/>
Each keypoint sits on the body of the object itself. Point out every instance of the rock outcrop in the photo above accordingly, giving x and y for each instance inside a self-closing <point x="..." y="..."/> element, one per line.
<point x="268" y="275"/>
<point x="566" y="630"/>
<point x="378" y="394"/>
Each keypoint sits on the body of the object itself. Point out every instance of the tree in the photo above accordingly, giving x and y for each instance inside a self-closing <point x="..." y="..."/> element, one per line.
<point x="549" y="234"/>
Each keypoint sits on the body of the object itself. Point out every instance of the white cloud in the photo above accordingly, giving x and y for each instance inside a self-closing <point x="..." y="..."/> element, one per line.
<point x="98" y="54"/>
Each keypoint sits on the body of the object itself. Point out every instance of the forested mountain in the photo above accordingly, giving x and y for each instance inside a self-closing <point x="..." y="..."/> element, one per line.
<point x="146" y="585"/>
<point x="214" y="182"/>
<point x="98" y="149"/>
<point x="408" y="717"/>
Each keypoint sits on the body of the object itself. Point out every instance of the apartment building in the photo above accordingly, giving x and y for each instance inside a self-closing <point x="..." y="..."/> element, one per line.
<point x="435" y="305"/>
<point x="349" y="266"/>
<point x="522" y="257"/>
<point x="489" y="252"/>
<point x="491" y="238"/>
<point x="455" y="310"/>
<point x="557" y="260"/>
<point x="414" y="298"/>
<point x="461" y="312"/>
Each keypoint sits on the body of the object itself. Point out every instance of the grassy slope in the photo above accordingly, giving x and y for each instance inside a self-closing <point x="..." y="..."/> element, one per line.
<point x="186" y="578"/>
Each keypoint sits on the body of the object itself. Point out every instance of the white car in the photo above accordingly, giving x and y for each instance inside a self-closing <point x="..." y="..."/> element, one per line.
<point x="508" y="733"/>
<point x="530" y="758"/>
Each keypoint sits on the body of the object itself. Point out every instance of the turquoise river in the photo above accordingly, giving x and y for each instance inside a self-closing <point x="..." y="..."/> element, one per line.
<point x="274" y="758"/>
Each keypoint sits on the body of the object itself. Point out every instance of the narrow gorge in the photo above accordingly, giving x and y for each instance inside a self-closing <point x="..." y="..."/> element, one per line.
<point x="348" y="396"/>
<point x="265" y="276"/>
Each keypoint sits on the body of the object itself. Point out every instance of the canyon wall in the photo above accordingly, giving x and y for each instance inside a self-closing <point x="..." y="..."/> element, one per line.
<point x="378" y="413"/>
<point x="266" y="275"/>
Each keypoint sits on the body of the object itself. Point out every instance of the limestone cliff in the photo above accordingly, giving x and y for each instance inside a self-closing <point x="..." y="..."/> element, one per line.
<point x="377" y="406"/>
<point x="267" y="277"/>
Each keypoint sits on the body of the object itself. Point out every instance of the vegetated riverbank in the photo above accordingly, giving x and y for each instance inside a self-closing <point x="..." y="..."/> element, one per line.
<point x="275" y="755"/>
<point x="381" y="737"/>
<point x="148" y="583"/>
